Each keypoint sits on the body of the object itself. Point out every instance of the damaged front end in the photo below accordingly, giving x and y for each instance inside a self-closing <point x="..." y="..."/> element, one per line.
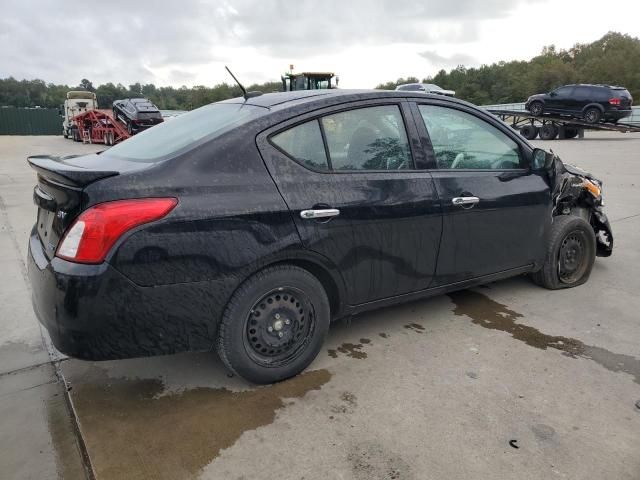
<point x="576" y="192"/>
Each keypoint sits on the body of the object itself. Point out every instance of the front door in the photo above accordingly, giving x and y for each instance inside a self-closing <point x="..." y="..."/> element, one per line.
<point x="561" y="100"/>
<point x="495" y="210"/>
<point x="357" y="198"/>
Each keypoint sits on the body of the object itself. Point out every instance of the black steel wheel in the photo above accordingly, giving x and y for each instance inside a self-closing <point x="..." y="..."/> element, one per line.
<point x="536" y="108"/>
<point x="529" y="132"/>
<point x="571" y="259"/>
<point x="571" y="253"/>
<point x="592" y="115"/>
<point x="274" y="324"/>
<point x="278" y="326"/>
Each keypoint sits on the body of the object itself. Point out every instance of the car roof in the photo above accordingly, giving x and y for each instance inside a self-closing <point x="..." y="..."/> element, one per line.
<point x="614" y="87"/>
<point x="281" y="100"/>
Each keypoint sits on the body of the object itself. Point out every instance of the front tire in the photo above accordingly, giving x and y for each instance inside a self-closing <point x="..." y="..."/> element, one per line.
<point x="571" y="253"/>
<point x="274" y="325"/>
<point x="536" y="109"/>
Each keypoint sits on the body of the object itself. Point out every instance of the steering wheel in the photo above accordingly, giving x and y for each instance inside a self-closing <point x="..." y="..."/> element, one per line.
<point x="458" y="160"/>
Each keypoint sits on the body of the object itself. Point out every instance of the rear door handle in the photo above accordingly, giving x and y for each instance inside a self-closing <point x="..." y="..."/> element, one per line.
<point x="321" y="213"/>
<point x="467" y="202"/>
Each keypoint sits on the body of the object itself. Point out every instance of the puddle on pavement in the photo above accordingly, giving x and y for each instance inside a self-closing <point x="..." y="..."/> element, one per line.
<point x="495" y="316"/>
<point x="353" y="350"/>
<point x="132" y="432"/>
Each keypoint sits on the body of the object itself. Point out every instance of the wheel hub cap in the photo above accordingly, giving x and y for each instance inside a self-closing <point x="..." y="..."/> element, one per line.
<point x="571" y="262"/>
<point x="278" y="326"/>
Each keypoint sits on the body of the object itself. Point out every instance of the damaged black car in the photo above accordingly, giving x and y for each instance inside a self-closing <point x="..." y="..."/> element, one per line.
<point x="247" y="226"/>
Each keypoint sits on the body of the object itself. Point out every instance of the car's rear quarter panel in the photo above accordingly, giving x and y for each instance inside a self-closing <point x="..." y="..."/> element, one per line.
<point x="230" y="222"/>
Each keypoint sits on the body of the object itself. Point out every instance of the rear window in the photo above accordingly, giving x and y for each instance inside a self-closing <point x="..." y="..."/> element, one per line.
<point x="410" y="87"/>
<point x="621" y="92"/>
<point x="184" y="132"/>
<point x="149" y="114"/>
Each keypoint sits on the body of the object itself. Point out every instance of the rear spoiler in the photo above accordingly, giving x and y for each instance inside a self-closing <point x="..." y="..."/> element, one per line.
<point x="56" y="169"/>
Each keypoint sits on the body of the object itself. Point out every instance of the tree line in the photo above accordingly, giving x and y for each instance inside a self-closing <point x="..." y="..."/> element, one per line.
<point x="613" y="59"/>
<point x="37" y="93"/>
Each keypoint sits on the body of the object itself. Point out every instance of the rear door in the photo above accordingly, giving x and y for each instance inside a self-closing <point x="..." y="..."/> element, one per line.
<point x="358" y="196"/>
<point x="495" y="210"/>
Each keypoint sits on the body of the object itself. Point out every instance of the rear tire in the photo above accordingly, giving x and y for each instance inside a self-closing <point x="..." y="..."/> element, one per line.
<point x="536" y="109"/>
<point x="592" y="115"/>
<point x="571" y="253"/>
<point x="529" y="132"/>
<point x="548" y="131"/>
<point x="274" y="325"/>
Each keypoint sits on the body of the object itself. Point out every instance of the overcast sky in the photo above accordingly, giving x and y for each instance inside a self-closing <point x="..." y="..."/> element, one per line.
<point x="365" y="42"/>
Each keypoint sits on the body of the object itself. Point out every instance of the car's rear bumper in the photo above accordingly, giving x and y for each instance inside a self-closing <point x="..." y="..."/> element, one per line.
<point x="617" y="114"/>
<point x="93" y="312"/>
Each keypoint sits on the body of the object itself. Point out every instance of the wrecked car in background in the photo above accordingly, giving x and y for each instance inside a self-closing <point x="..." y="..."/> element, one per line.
<point x="247" y="225"/>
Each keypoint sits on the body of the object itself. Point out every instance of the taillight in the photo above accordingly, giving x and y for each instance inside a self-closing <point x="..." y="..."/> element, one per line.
<point x="614" y="101"/>
<point x="96" y="230"/>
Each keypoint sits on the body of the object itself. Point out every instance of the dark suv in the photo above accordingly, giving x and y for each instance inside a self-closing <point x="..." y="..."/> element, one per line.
<point x="136" y="113"/>
<point x="592" y="103"/>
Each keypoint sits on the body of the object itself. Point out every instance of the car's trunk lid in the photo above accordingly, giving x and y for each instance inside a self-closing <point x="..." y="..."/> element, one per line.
<point x="58" y="194"/>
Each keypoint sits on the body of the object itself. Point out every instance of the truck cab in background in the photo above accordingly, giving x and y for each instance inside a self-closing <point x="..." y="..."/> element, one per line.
<point x="308" y="81"/>
<point x="77" y="102"/>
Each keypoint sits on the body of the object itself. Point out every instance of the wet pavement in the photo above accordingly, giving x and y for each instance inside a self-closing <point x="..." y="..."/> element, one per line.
<point x="503" y="381"/>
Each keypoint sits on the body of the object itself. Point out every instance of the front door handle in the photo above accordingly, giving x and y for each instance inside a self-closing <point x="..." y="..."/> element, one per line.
<point x="320" y="213"/>
<point x="465" y="202"/>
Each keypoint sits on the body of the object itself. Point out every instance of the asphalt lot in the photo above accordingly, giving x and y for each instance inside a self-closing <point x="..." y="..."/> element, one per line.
<point x="444" y="388"/>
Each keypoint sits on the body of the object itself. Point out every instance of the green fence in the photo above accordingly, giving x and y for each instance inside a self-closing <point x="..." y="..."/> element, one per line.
<point x="30" y="121"/>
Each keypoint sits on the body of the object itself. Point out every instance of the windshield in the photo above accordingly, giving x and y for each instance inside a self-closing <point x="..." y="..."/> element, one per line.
<point x="184" y="132"/>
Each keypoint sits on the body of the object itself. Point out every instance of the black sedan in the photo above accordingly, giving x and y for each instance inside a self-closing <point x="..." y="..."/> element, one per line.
<point x="136" y="114"/>
<point x="246" y="226"/>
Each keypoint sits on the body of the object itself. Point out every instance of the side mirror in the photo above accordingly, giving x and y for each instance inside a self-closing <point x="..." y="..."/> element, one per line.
<point x="553" y="94"/>
<point x="542" y="160"/>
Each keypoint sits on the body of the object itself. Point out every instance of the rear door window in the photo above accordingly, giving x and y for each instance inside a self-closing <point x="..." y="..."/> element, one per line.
<point x="462" y="141"/>
<point x="371" y="138"/>
<point x="584" y="93"/>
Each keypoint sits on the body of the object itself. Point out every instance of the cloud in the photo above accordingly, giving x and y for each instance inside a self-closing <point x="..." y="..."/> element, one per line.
<point x="442" y="61"/>
<point x="124" y="41"/>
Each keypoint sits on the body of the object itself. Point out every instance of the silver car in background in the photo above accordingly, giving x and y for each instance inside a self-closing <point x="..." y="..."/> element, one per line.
<point x="426" y="88"/>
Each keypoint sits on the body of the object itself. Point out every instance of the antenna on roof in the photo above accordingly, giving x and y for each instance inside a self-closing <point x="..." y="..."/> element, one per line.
<point x="245" y="94"/>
